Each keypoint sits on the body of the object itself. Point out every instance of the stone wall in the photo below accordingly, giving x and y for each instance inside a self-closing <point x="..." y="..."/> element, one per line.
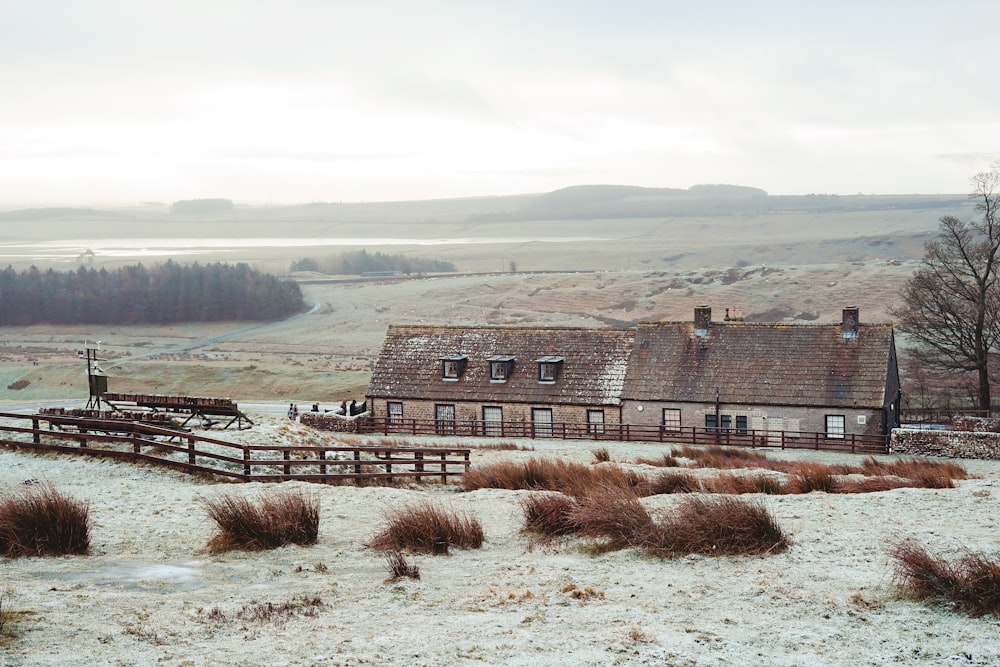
<point x="328" y="421"/>
<point x="951" y="444"/>
<point x="977" y="424"/>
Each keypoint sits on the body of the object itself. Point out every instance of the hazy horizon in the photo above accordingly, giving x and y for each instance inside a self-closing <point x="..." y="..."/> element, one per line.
<point x="110" y="103"/>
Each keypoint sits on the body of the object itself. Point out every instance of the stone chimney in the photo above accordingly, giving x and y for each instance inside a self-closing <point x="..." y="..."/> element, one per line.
<point x="702" y="320"/>
<point x="850" y="322"/>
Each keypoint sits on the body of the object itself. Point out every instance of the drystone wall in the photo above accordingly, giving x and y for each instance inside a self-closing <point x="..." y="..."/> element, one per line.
<point x="335" y="422"/>
<point x="951" y="444"/>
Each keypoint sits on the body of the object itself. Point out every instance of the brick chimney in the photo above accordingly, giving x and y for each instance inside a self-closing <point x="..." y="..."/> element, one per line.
<point x="850" y="322"/>
<point x="702" y="320"/>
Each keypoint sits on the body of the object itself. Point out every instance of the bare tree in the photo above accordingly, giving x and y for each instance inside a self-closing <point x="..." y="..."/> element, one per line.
<point x="951" y="306"/>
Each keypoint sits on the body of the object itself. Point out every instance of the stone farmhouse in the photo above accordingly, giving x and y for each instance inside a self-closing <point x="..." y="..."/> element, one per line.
<point x="732" y="376"/>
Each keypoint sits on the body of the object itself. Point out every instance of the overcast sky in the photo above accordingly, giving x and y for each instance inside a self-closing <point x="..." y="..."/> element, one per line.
<point x="327" y="100"/>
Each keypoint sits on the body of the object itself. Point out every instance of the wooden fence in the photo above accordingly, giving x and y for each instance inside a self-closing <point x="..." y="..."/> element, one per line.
<point x="197" y="454"/>
<point x="867" y="444"/>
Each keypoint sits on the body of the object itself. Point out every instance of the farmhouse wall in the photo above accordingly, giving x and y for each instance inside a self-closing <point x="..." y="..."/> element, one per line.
<point x="952" y="444"/>
<point x="759" y="418"/>
<point x="512" y="412"/>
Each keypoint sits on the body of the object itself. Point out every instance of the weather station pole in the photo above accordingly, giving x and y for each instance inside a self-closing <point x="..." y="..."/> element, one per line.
<point x="97" y="381"/>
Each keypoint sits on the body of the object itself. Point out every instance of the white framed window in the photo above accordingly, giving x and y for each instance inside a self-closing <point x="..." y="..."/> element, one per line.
<point x="862" y="420"/>
<point x="671" y="420"/>
<point x="452" y="366"/>
<point x="548" y="369"/>
<point x="394" y="412"/>
<point x="500" y="368"/>
<point x="836" y="426"/>
<point x="595" y="422"/>
<point x="541" y="419"/>
<point x="492" y="420"/>
<point x="444" y="418"/>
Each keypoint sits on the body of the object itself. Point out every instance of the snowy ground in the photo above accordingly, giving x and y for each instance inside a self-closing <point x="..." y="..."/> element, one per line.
<point x="149" y="593"/>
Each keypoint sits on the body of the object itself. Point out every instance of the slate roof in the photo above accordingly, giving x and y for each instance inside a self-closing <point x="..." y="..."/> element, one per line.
<point x="592" y="370"/>
<point x="763" y="364"/>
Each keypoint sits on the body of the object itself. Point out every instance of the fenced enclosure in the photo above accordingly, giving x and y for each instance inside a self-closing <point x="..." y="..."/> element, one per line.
<point x="197" y="454"/>
<point x="865" y="444"/>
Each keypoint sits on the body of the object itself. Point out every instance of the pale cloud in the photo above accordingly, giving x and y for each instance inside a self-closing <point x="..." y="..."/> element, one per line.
<point x="336" y="100"/>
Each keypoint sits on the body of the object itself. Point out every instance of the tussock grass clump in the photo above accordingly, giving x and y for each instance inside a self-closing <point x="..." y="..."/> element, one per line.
<point x="399" y="567"/>
<point x="273" y="520"/>
<point x="914" y="469"/>
<point x="601" y="455"/>
<point x="728" y="483"/>
<point x="614" y="514"/>
<point x="870" y="484"/>
<point x="536" y="474"/>
<point x="665" y="461"/>
<point x="807" y="477"/>
<point x="723" y="458"/>
<point x="549" y="514"/>
<point x="670" y="482"/>
<point x="426" y="528"/>
<point x="42" y="521"/>
<point x="971" y="584"/>
<point x="718" y="526"/>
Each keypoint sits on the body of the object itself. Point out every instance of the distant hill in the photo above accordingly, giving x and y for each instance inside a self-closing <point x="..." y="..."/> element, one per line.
<point x="579" y="202"/>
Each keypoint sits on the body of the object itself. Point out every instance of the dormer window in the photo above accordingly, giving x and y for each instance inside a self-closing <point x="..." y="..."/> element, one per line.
<point x="548" y="369"/>
<point x="500" y="368"/>
<point x="452" y="366"/>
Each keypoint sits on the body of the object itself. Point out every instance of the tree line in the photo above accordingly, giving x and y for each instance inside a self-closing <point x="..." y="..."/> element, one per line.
<point x="361" y="261"/>
<point x="136" y="294"/>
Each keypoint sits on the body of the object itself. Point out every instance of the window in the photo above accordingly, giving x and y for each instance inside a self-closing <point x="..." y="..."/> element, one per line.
<point x="741" y="424"/>
<point x="711" y="422"/>
<point x="394" y="412"/>
<point x="595" y="422"/>
<point x="500" y="368"/>
<point x="492" y="420"/>
<point x="444" y="418"/>
<point x="671" y="420"/>
<point x="835" y="426"/>
<point x="452" y="366"/>
<point x="548" y="369"/>
<point x="541" y="419"/>
<point x="725" y="422"/>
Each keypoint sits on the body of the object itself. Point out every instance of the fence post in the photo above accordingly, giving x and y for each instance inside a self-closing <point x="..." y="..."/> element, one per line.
<point x="36" y="437"/>
<point x="322" y="457"/>
<point x="444" y="467"/>
<point x="388" y="464"/>
<point x="246" y="461"/>
<point x="191" y="451"/>
<point x="357" y="465"/>
<point x="419" y="467"/>
<point x="134" y="437"/>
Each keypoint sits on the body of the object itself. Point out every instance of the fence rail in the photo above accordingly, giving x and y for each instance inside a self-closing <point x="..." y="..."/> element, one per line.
<point x="871" y="444"/>
<point x="198" y="454"/>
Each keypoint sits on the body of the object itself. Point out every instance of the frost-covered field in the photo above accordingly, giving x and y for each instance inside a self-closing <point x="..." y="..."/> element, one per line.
<point x="150" y="593"/>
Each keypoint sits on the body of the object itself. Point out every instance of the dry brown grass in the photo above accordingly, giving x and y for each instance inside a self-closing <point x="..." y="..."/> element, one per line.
<point x="807" y="476"/>
<point x="971" y="584"/>
<point x="664" y="461"/>
<point x="613" y="514"/>
<point x="548" y="513"/>
<point x="717" y="526"/>
<point x="273" y="520"/>
<point x="574" y="479"/>
<point x="41" y="521"/>
<point x="425" y="528"/>
<point x="722" y="458"/>
<point x="399" y="567"/>
<point x="729" y="483"/>
<point x="670" y="482"/>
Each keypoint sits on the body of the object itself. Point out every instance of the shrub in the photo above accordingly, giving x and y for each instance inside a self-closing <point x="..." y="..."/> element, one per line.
<point x="665" y="461"/>
<point x="670" y="482"/>
<point x="808" y="477"/>
<point x="549" y="514"/>
<point x="549" y="475"/>
<point x="615" y="514"/>
<point x="399" y="567"/>
<point x="971" y="584"/>
<point x="601" y="455"/>
<point x="728" y="483"/>
<point x="274" y="520"/>
<point x="428" y="529"/>
<point x="43" y="522"/>
<point x="717" y="526"/>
